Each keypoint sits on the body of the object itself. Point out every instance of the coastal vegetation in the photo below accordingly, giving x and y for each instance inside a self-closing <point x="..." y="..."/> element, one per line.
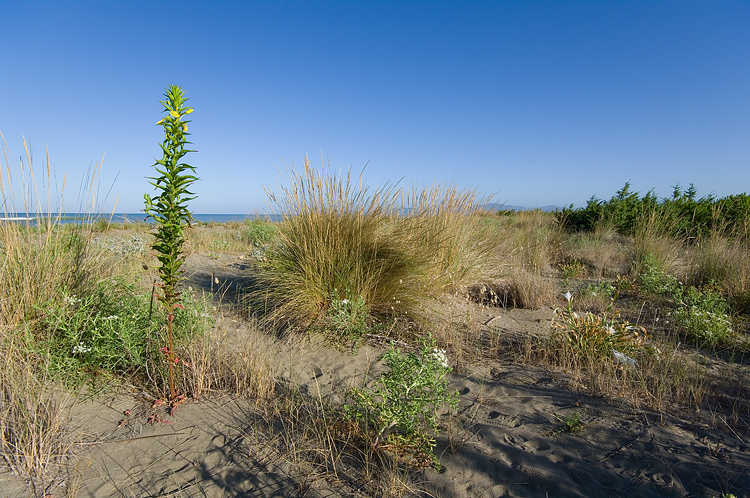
<point x="648" y="299"/>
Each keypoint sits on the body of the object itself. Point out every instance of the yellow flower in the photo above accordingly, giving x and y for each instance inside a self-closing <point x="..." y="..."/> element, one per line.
<point x="185" y="127"/>
<point x="161" y="121"/>
<point x="188" y="111"/>
<point x="174" y="114"/>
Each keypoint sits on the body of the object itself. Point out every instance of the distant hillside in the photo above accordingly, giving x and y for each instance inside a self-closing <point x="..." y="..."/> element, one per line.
<point x="496" y="206"/>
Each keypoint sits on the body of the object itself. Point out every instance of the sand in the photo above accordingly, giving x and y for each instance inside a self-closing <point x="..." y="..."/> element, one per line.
<point x="506" y="438"/>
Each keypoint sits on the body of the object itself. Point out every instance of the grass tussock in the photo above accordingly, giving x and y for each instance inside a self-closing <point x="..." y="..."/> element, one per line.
<point x="339" y="242"/>
<point x="212" y="365"/>
<point x="35" y="440"/>
<point x="652" y="242"/>
<point x="724" y="261"/>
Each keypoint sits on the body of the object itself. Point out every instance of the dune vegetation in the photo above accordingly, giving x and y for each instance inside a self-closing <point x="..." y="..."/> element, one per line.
<point x="649" y="305"/>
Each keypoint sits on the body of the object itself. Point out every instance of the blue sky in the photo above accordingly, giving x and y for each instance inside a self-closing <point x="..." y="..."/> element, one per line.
<point x="537" y="102"/>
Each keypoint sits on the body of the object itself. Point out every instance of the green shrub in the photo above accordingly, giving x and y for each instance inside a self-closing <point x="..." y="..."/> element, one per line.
<point x="702" y="317"/>
<point x="654" y="280"/>
<point x="401" y="411"/>
<point x="702" y="327"/>
<point x="258" y="232"/>
<point x="600" y="289"/>
<point x="104" y="331"/>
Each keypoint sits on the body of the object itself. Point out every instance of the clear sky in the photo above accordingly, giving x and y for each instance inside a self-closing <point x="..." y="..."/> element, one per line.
<point x="538" y="102"/>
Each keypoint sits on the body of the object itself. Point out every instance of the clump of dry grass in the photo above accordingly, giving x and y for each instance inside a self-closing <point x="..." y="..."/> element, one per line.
<point x="654" y="243"/>
<point x="444" y="223"/>
<point x="340" y="242"/>
<point x="35" y="440"/>
<point x="602" y="254"/>
<point x="724" y="261"/>
<point x="214" y="365"/>
<point x="531" y="240"/>
<point x="40" y="260"/>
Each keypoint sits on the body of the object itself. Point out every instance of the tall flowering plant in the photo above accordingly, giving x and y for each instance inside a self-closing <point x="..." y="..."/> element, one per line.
<point x="169" y="210"/>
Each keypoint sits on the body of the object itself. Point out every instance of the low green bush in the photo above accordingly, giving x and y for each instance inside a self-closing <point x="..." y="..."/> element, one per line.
<point x="401" y="411"/>
<point x="106" y="332"/>
<point x="258" y="232"/>
<point x="654" y="280"/>
<point x="702" y="317"/>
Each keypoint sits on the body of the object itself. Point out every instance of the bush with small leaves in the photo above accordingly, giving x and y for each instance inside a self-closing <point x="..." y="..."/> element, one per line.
<point x="400" y="412"/>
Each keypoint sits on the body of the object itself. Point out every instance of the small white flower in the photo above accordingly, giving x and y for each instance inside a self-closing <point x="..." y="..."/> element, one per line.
<point x="568" y="296"/>
<point x="72" y="300"/>
<point x="111" y="317"/>
<point x="610" y="331"/>
<point x="344" y="301"/>
<point x="440" y="356"/>
<point x="81" y="348"/>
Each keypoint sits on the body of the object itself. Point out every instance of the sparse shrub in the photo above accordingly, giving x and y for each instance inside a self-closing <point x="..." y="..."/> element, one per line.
<point x="258" y="232"/>
<point x="702" y="317"/>
<point x="400" y="412"/>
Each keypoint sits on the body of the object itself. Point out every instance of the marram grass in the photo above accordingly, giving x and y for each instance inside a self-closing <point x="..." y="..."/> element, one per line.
<point x="340" y="239"/>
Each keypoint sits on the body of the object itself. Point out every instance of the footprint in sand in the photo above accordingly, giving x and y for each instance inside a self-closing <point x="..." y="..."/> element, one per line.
<point x="498" y="419"/>
<point x="534" y="446"/>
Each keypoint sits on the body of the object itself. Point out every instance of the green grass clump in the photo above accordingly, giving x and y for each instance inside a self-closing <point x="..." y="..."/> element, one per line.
<point x="257" y="232"/>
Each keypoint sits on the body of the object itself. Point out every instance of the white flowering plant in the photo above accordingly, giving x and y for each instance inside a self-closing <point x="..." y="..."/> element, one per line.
<point x="604" y="335"/>
<point x="346" y="319"/>
<point x="103" y="332"/>
<point x="400" y="413"/>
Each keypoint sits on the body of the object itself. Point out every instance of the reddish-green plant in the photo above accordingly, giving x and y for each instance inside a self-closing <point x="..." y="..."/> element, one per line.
<point x="169" y="210"/>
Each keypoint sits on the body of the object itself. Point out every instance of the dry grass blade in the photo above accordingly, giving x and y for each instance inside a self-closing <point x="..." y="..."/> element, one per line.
<point x="34" y="438"/>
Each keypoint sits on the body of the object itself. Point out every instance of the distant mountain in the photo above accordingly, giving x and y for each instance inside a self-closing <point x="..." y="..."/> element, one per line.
<point x="497" y="206"/>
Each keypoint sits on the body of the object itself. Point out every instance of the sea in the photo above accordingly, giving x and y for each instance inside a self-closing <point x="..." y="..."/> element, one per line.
<point x="125" y="218"/>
